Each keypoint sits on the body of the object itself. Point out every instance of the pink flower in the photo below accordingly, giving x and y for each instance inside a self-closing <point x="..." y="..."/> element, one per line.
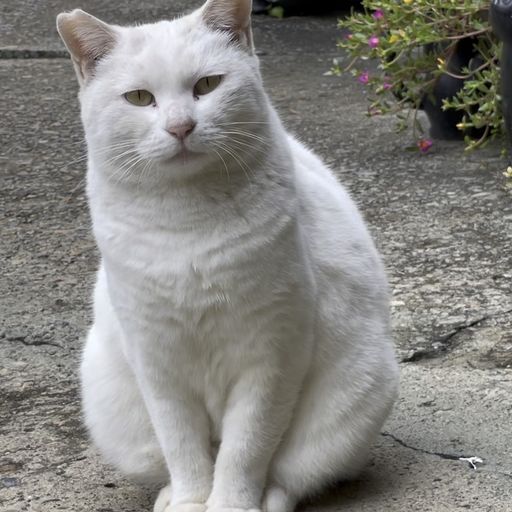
<point x="386" y="85"/>
<point x="373" y="42"/>
<point x="378" y="14"/>
<point x="424" y="145"/>
<point x="364" y="77"/>
<point x="349" y="36"/>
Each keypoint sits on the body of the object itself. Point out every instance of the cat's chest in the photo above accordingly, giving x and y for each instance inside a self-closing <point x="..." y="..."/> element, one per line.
<point x="175" y="268"/>
<point x="204" y="266"/>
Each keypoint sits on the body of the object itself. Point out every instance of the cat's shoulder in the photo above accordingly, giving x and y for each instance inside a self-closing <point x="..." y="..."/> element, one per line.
<point x="313" y="176"/>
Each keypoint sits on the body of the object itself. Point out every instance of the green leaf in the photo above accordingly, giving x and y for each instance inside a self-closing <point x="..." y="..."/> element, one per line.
<point x="276" y="12"/>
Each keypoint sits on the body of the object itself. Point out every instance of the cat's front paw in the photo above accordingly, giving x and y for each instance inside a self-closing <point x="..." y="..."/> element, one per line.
<point x="186" y="507"/>
<point x="163" y="503"/>
<point x="163" y="500"/>
<point x="276" y="499"/>
<point x="231" y="509"/>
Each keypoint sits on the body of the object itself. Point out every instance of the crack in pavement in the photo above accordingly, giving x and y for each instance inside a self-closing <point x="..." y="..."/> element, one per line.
<point x="459" y="328"/>
<point x="446" y="456"/>
<point x="54" y="465"/>
<point x="36" y="343"/>
<point x="431" y="353"/>
<point x="39" y="343"/>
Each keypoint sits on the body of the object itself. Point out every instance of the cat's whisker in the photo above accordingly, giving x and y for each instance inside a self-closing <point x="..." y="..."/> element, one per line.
<point x="74" y="189"/>
<point x="141" y="175"/>
<point x="127" y="165"/>
<point x="243" y="122"/>
<point x="134" y="164"/>
<point x="121" y="176"/>
<point x="116" y="146"/>
<point x="244" y="150"/>
<point x="255" y="153"/>
<point x="85" y="157"/>
<point x="75" y="161"/>
<point x="241" y="162"/>
<point x="223" y="147"/>
<point x="257" y="157"/>
<point x="247" y="145"/>
<point x="146" y="169"/>
<point x="116" y="158"/>
<point x="106" y="149"/>
<point x="82" y="140"/>
<point x="246" y="132"/>
<point x="249" y="135"/>
<point x="224" y="162"/>
<point x="124" y="170"/>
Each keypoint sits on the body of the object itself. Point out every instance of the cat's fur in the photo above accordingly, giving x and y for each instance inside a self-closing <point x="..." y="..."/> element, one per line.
<point x="241" y="337"/>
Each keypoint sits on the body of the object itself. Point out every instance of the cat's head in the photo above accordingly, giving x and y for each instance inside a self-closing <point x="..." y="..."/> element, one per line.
<point x="168" y="99"/>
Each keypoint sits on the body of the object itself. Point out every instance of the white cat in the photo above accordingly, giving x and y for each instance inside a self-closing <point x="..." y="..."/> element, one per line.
<point x="241" y="340"/>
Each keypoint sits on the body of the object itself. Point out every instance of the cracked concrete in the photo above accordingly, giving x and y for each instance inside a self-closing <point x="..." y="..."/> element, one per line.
<point x="446" y="456"/>
<point x="445" y="343"/>
<point x="442" y="221"/>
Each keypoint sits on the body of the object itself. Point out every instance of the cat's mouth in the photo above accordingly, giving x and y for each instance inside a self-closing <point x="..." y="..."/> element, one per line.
<point x="183" y="156"/>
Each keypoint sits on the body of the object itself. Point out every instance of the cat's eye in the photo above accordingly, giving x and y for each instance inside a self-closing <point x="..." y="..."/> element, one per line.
<point x="139" y="97"/>
<point x="206" y="84"/>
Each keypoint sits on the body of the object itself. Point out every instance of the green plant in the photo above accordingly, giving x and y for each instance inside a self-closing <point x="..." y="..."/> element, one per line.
<point x="412" y="42"/>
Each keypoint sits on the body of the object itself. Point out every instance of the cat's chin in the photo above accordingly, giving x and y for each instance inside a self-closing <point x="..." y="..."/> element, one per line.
<point x="183" y="165"/>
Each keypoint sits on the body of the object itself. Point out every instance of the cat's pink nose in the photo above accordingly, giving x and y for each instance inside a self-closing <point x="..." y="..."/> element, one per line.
<point x="181" y="131"/>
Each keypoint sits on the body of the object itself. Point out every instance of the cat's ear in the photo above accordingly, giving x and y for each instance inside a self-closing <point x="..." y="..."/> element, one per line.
<point x="233" y="16"/>
<point x="87" y="39"/>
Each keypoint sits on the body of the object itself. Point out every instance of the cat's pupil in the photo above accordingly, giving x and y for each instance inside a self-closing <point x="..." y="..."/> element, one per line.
<point x="206" y="85"/>
<point x="139" y="97"/>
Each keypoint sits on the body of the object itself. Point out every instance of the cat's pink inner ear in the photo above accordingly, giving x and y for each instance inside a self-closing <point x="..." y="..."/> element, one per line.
<point x="230" y="15"/>
<point x="87" y="39"/>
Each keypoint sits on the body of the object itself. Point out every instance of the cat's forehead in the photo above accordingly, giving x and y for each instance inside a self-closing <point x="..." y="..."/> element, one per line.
<point x="171" y="33"/>
<point x="172" y="55"/>
<point x="183" y="40"/>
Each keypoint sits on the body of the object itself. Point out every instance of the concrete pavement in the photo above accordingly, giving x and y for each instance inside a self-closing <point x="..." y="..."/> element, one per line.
<point x="442" y="221"/>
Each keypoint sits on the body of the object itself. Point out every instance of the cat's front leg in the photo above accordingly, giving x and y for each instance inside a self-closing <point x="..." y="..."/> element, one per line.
<point x="257" y="414"/>
<point x="182" y="428"/>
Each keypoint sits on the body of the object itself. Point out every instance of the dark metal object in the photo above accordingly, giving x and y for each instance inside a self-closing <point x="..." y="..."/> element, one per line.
<point x="443" y="123"/>
<point x="303" y="7"/>
<point x="260" y="6"/>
